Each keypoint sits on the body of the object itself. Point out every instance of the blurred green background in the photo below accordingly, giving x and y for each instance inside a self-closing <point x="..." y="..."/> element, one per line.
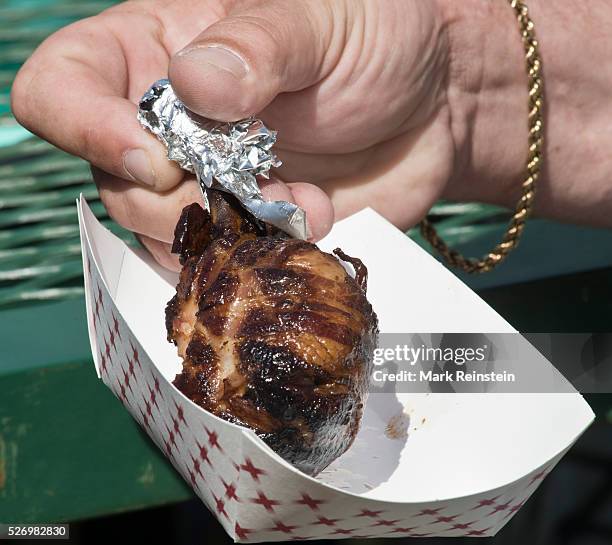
<point x="39" y="250"/>
<point x="68" y="450"/>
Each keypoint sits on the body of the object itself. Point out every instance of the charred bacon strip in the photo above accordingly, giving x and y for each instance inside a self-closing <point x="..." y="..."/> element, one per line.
<point x="274" y="334"/>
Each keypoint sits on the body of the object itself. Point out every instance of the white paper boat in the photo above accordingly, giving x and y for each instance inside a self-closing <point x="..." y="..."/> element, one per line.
<point x="469" y="463"/>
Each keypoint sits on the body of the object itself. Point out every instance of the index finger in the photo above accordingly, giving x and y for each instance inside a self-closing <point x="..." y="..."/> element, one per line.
<point x="72" y="92"/>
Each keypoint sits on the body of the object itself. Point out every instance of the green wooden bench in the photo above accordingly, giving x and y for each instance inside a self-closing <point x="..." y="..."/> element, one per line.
<point x="68" y="450"/>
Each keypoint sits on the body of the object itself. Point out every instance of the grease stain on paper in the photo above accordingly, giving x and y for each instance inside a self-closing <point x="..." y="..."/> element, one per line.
<point x="397" y="427"/>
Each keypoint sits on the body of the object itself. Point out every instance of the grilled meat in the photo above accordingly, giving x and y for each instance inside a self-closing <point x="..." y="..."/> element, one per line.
<point x="274" y="334"/>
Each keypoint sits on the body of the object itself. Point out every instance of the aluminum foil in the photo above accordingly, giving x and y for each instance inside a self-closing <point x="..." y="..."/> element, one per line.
<point x="225" y="156"/>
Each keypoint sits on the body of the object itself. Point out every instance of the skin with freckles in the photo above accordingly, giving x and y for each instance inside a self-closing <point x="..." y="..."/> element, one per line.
<point x="385" y="103"/>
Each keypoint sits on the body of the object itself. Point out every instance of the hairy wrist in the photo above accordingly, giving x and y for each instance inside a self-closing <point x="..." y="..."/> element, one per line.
<point x="487" y="93"/>
<point x="487" y="96"/>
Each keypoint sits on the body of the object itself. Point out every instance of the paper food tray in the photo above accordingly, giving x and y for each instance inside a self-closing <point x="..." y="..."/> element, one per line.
<point x="469" y="463"/>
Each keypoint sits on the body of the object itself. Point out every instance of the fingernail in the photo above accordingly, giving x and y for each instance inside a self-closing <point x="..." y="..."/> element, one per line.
<point x="218" y="57"/>
<point x="137" y="164"/>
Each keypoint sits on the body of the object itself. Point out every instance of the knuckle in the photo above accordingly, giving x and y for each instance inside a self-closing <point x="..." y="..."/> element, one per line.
<point x="34" y="79"/>
<point x="19" y="97"/>
<point x="250" y="35"/>
<point x="73" y="33"/>
<point x="25" y="92"/>
<point x="269" y="38"/>
<point x="89" y="142"/>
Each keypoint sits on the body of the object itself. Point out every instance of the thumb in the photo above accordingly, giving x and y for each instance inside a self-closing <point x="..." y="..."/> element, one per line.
<point x="237" y="66"/>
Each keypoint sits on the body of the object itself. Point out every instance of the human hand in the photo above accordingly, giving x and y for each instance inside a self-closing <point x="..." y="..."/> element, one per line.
<point x="356" y="91"/>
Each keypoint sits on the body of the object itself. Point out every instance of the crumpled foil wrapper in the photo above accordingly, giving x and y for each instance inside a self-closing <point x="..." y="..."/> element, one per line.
<point x="225" y="156"/>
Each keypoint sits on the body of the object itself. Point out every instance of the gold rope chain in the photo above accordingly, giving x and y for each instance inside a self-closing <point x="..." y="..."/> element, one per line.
<point x="534" y="160"/>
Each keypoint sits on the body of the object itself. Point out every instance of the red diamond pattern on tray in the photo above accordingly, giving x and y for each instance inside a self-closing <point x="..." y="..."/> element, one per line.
<point x="107" y="349"/>
<point x="246" y="489"/>
<point x="213" y="439"/>
<point x="170" y="442"/>
<point x="514" y="509"/>
<point x="538" y="477"/>
<point x="121" y="392"/>
<point x="126" y="380"/>
<point x="156" y="386"/>
<point x="424" y="512"/>
<point x="99" y="297"/>
<point x="499" y="507"/>
<point x="131" y="368"/>
<point x="242" y="533"/>
<point x="195" y="470"/>
<point x="266" y="502"/>
<point x="478" y="532"/>
<point x="116" y="326"/>
<point x="148" y="415"/>
<point x="368" y="513"/>
<point x="255" y="472"/>
<point x="180" y="413"/>
<point x="203" y="453"/>
<point x="445" y="519"/>
<point x="176" y="426"/>
<point x="135" y="355"/>
<point x="145" y="419"/>
<point x="487" y="502"/>
<point x="220" y="506"/>
<point x="230" y="490"/>
<point x="385" y="523"/>
<point x="97" y="306"/>
<point x="310" y="502"/>
<point x="153" y="397"/>
<point x="111" y="339"/>
<point x="95" y="315"/>
<point x="326" y="521"/>
<point x="462" y="526"/>
<point x="281" y="527"/>
<point x="102" y="363"/>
